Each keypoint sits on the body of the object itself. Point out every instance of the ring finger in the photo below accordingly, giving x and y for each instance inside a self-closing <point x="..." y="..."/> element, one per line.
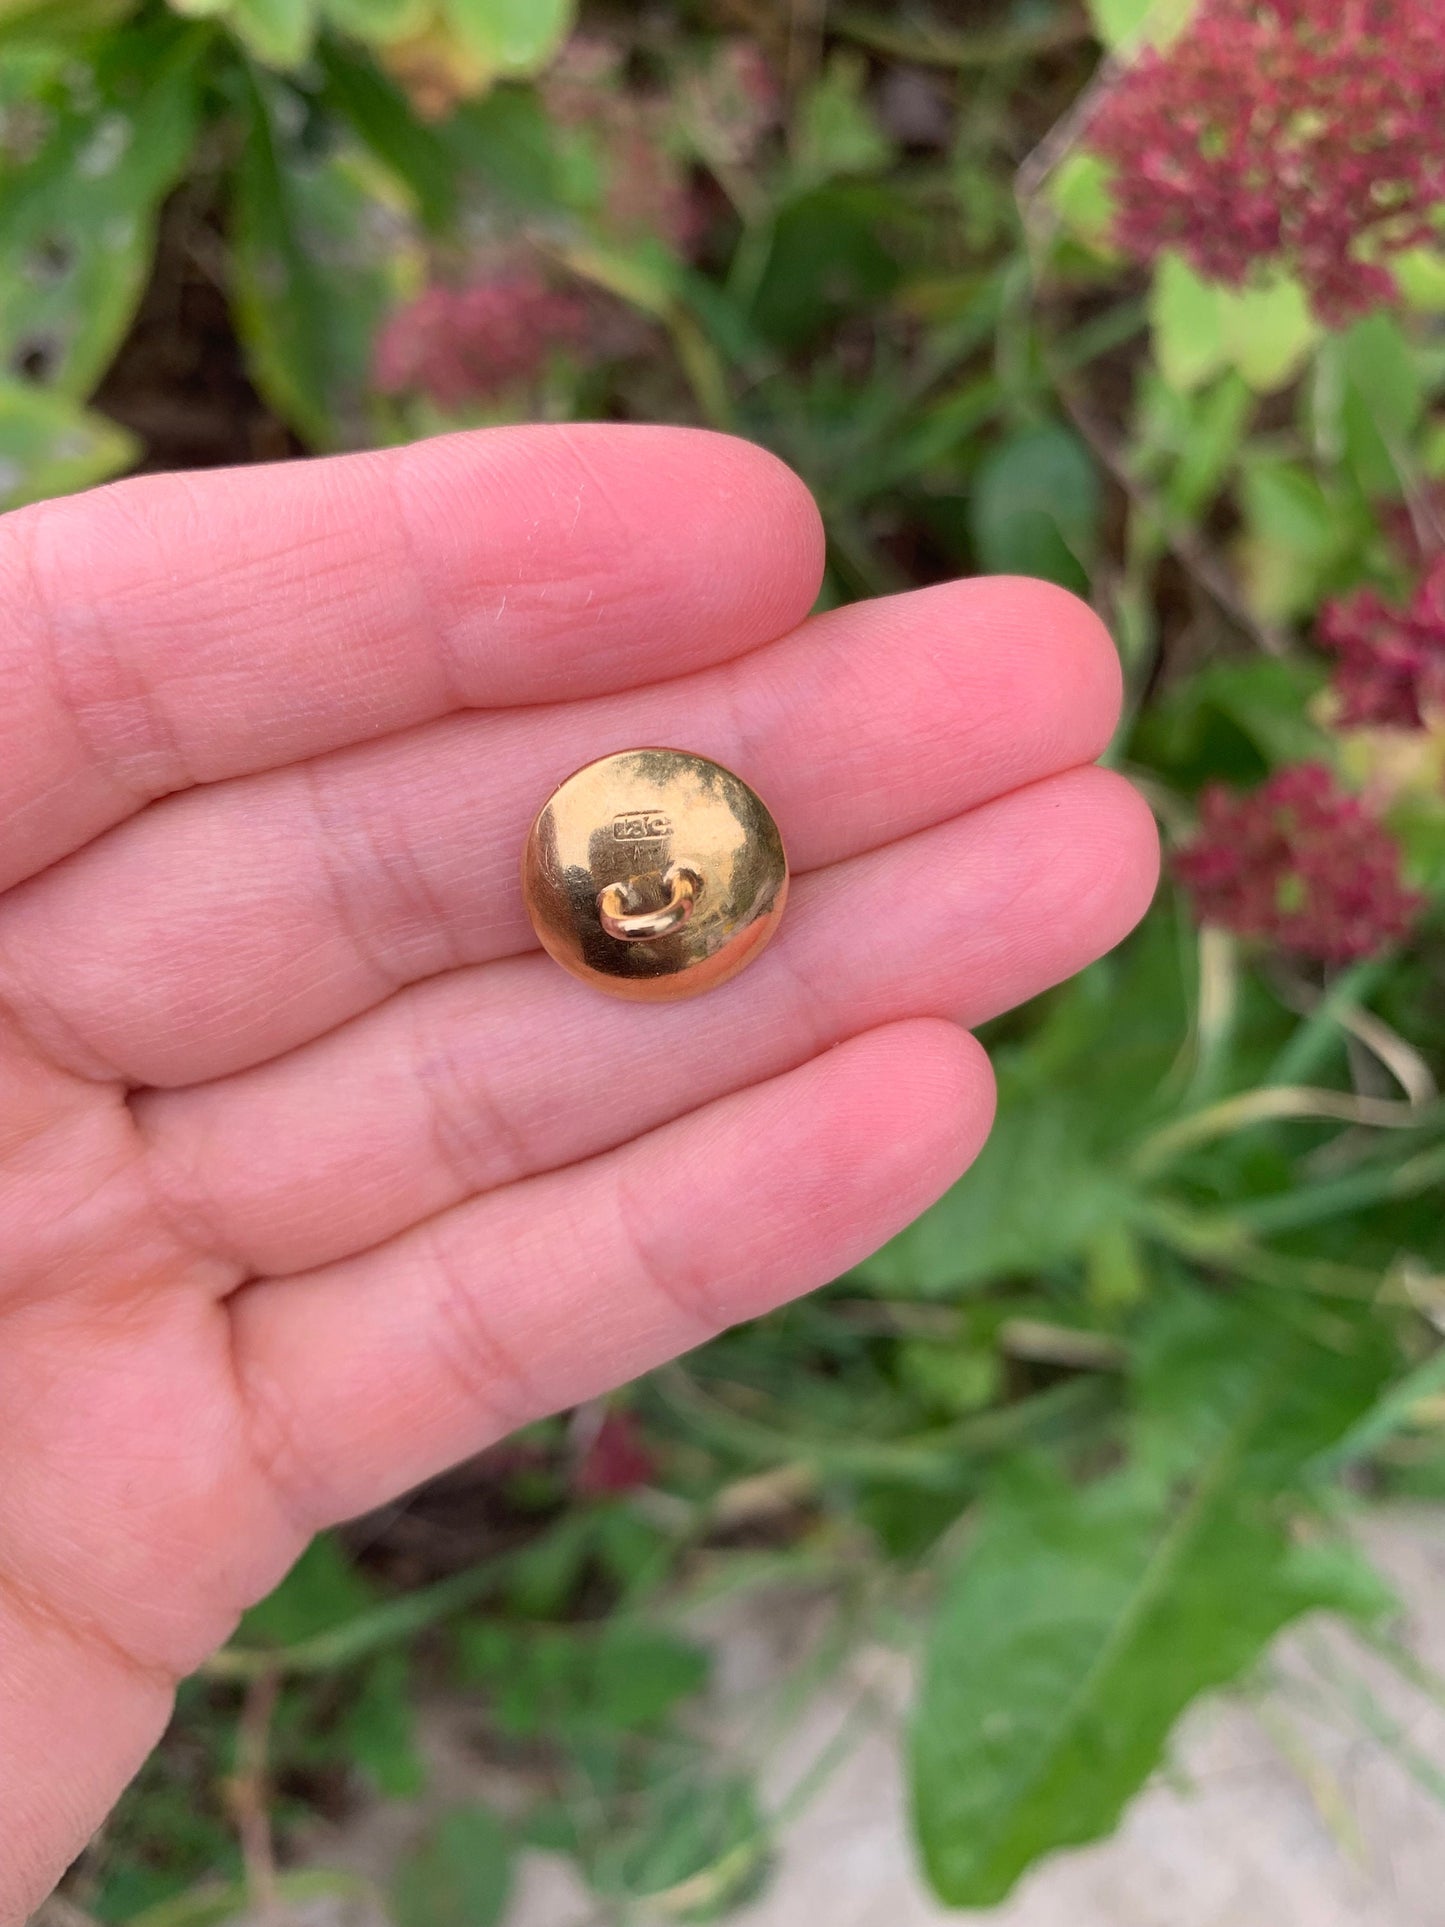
<point x="492" y="1074"/>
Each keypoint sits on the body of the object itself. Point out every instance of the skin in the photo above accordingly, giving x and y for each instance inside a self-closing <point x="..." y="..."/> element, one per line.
<point x="315" y="1174"/>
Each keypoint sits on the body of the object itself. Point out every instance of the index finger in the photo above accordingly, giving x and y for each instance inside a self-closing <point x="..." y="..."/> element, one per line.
<point x="179" y="629"/>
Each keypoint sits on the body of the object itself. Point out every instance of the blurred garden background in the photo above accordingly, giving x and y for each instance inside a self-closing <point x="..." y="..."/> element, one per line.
<point x="1150" y="301"/>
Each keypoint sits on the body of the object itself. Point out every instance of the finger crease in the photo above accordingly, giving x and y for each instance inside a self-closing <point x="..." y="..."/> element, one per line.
<point x="468" y="1125"/>
<point x="473" y="1353"/>
<point x="352" y="926"/>
<point x="660" y="1266"/>
<point x="143" y="770"/>
<point x="41" y="1612"/>
<point x="187" y="1212"/>
<point x="423" y="595"/>
<point x="271" y="1437"/>
<point x="75" y="1056"/>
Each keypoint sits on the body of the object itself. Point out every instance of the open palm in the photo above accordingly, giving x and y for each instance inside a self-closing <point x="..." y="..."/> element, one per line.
<point x="315" y="1175"/>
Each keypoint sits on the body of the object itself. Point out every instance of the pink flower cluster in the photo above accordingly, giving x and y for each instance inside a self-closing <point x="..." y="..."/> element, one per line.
<point x="1391" y="667"/>
<point x="1299" y="863"/>
<point x="461" y="344"/>
<point x="1309" y="133"/>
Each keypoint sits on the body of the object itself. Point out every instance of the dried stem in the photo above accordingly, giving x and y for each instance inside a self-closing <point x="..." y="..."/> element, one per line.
<point x="248" y="1797"/>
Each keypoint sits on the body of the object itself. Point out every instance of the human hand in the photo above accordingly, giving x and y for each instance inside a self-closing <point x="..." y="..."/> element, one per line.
<point x="315" y="1175"/>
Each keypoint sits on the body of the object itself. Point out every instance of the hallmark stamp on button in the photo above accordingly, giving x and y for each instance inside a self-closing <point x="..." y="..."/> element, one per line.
<point x="641" y="826"/>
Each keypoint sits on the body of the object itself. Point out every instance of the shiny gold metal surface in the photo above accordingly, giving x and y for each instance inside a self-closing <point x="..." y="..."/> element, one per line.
<point x="654" y="874"/>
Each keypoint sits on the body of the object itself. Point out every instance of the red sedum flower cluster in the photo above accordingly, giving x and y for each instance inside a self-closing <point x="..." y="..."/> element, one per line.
<point x="1391" y="666"/>
<point x="1309" y="133"/>
<point x="462" y="344"/>
<point x="1299" y="863"/>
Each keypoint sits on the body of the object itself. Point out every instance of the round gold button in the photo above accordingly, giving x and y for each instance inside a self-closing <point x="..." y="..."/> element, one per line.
<point x="654" y="874"/>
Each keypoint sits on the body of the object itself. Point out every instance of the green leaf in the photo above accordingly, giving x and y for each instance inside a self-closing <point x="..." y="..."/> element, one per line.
<point x="378" y="1729"/>
<point x="1035" y="507"/>
<point x="378" y="21"/>
<point x="1079" y="193"/>
<point x="1382" y="403"/>
<point x="828" y="259"/>
<point x="836" y="131"/>
<point x="514" y="37"/>
<point x="1191" y="440"/>
<point x="1123" y="23"/>
<point x="50" y="445"/>
<point x="460" y="1875"/>
<point x="279" y="32"/>
<point x="322" y="1590"/>
<point x="1264" y="331"/>
<point x="315" y="265"/>
<point x="507" y="140"/>
<point x="1396" y="1412"/>
<point x="1081" y="1622"/>
<point x="1054" y="1174"/>
<point x="1185" y="314"/>
<point x="55" y="21"/>
<point x="1293" y="538"/>
<point x="1037" y="1196"/>
<point x="1421" y="275"/>
<point x="1268" y="698"/>
<point x="211" y="1906"/>
<point x="624" y="1677"/>
<point x="382" y="118"/>
<point x="78" y="216"/>
<point x="639" y="1674"/>
<point x="699" y="1838"/>
<point x="1268" y="332"/>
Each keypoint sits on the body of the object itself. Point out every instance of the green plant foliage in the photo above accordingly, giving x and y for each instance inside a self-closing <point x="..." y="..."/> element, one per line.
<point x="58" y="20"/>
<point x="78" y="212"/>
<point x="1080" y="198"/>
<point x="378" y="21"/>
<point x="511" y="36"/>
<point x="216" y="1906"/>
<point x="1079" y="1624"/>
<point x="1124" y="23"/>
<point x="1183" y="1309"/>
<point x="1382" y="404"/>
<point x="1296" y="537"/>
<point x="280" y="32"/>
<point x="1239" y="720"/>
<point x="1035" y="507"/>
<point x="459" y="1876"/>
<point x="829" y="252"/>
<point x="378" y="1730"/>
<point x="837" y="133"/>
<point x="1264" y="331"/>
<point x="618" y="1677"/>
<point x="1189" y="440"/>
<point x="1043" y="1155"/>
<point x="379" y="116"/>
<point x="310" y="280"/>
<point x="322" y="1590"/>
<point x="693" y="1837"/>
<point x="1055" y="1175"/>
<point x="49" y="445"/>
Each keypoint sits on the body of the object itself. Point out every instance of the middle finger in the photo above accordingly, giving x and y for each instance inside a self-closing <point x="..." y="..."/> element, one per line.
<point x="227" y="925"/>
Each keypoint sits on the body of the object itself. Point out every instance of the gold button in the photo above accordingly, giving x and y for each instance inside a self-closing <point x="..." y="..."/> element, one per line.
<point x="654" y="874"/>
